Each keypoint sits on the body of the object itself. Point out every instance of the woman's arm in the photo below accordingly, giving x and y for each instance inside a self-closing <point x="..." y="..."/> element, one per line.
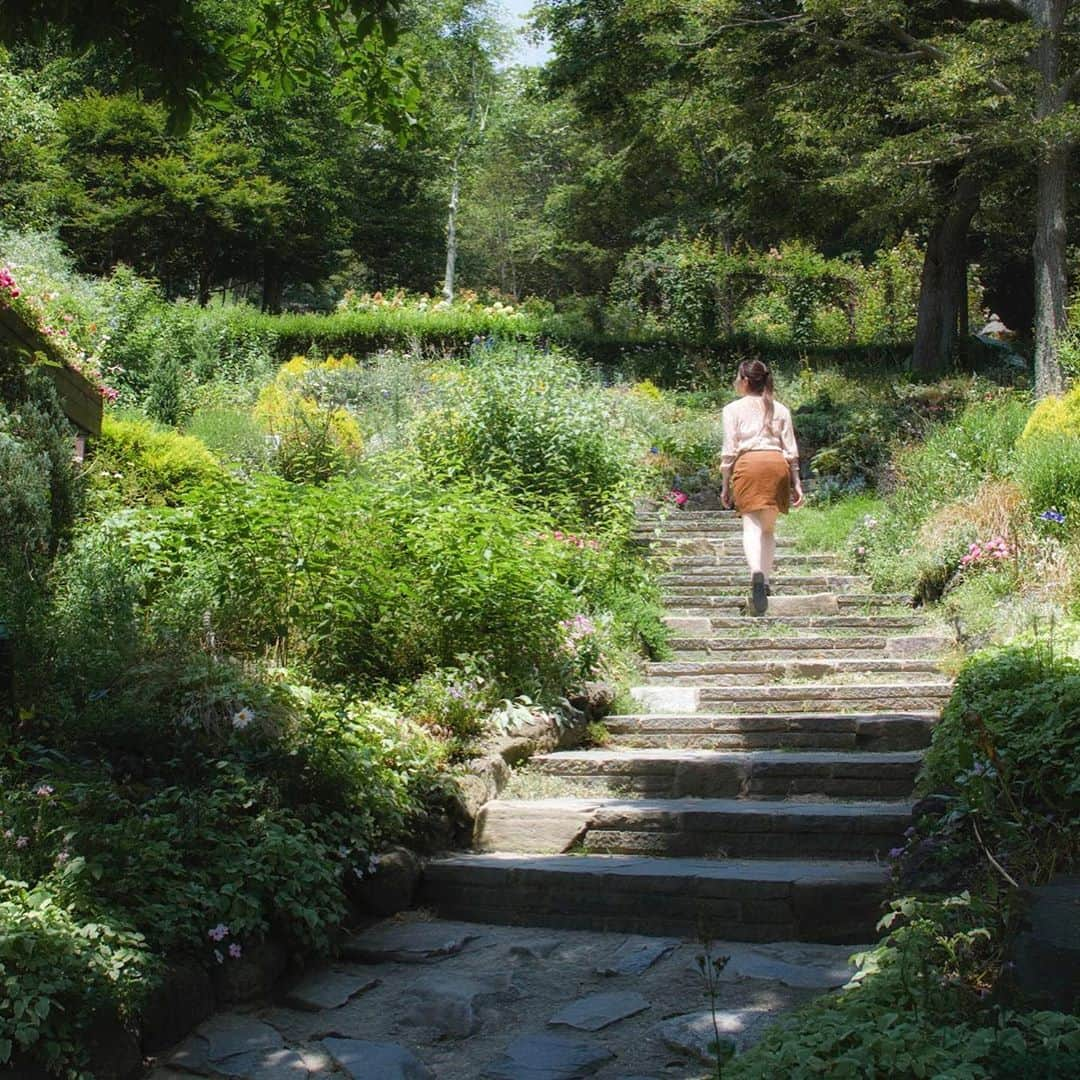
<point x="791" y="453"/>
<point x="727" y="459"/>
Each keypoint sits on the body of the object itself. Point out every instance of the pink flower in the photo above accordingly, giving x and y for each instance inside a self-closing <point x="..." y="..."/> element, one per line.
<point x="22" y="842"/>
<point x="43" y="791"/>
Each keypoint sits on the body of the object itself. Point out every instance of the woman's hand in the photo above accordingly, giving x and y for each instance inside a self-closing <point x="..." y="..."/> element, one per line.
<point x="725" y="497"/>
<point x="797" y="497"/>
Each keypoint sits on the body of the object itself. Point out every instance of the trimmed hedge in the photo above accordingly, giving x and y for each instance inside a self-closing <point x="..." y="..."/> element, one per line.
<point x="667" y="360"/>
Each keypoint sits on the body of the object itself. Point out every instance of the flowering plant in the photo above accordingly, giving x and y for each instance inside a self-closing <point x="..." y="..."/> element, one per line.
<point x="988" y="553"/>
<point x="44" y="314"/>
<point x="677" y="497"/>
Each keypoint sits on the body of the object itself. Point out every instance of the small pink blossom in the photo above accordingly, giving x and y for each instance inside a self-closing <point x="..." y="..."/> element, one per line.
<point x="23" y="841"/>
<point x="43" y="791"/>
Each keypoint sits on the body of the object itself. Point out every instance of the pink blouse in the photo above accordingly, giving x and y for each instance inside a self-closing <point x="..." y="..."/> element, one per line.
<point x="745" y="429"/>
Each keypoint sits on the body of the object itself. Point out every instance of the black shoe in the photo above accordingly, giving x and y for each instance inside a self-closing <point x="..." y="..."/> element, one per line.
<point x="759" y="594"/>
<point x="768" y="590"/>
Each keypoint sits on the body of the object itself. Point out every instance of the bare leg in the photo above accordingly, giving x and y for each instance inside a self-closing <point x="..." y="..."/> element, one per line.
<point x="759" y="540"/>
<point x="751" y="541"/>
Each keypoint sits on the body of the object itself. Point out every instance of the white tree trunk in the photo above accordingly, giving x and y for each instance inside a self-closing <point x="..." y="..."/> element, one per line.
<point x="451" y="230"/>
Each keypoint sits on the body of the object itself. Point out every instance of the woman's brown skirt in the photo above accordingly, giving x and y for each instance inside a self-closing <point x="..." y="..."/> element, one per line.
<point x="761" y="480"/>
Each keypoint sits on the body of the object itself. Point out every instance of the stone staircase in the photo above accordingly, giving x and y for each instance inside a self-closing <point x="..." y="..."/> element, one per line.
<point x="755" y="791"/>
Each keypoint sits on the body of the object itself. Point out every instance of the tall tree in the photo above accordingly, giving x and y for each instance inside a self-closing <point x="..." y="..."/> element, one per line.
<point x="189" y="53"/>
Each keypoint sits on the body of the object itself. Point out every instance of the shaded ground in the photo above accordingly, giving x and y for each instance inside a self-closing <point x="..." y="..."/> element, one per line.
<point x="461" y="997"/>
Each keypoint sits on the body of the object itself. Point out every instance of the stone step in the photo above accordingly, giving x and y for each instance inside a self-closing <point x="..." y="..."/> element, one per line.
<point x="746" y="647"/>
<point x="685" y="515"/>
<point x="682" y="584"/>
<point x="717" y="774"/>
<point x="694" y="600"/>
<point x="808" y="697"/>
<point x="725" y="546"/>
<point x="710" y="828"/>
<point x="773" y="731"/>
<point x="784" y="626"/>
<point x="835" y="624"/>
<point x="835" y="901"/>
<point x="707" y="563"/>
<point x="723" y="672"/>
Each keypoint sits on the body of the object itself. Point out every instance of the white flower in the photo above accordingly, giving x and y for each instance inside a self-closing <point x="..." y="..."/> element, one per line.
<point x="242" y="718"/>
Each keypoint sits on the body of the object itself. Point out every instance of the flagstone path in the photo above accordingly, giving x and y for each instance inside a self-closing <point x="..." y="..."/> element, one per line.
<point x="751" y="801"/>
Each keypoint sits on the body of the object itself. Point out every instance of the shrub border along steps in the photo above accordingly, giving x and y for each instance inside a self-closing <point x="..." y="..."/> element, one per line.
<point x="759" y="812"/>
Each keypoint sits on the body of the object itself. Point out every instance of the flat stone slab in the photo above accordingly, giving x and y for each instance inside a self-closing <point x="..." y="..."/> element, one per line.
<point x="636" y="955"/>
<point x="690" y="625"/>
<point x="696" y="1033"/>
<point x="916" y="645"/>
<point x="546" y="826"/>
<point x="266" y="1065"/>
<point x="802" y="966"/>
<point x="663" y="699"/>
<point x="409" y="943"/>
<point x="547" y="1057"/>
<point x="598" y="1011"/>
<point x="327" y="990"/>
<point x="813" y="604"/>
<point x="222" y="1037"/>
<point x="449" y="1004"/>
<point x="363" y="1060"/>
<point x="539" y="949"/>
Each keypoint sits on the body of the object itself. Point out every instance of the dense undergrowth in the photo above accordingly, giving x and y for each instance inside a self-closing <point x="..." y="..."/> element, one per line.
<point x="248" y="655"/>
<point x="256" y="631"/>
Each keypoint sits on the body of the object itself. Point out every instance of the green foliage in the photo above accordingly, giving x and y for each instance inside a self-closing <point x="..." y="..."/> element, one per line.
<point x="59" y="975"/>
<point x="137" y="463"/>
<point x="532" y="425"/>
<point x="915" y="1012"/>
<point x="830" y="526"/>
<point x="1048" y="470"/>
<point x="1007" y="749"/>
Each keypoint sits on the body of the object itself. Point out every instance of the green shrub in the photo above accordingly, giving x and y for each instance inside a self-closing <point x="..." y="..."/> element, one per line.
<point x="233" y="437"/>
<point x="1055" y="416"/>
<point x="916" y="1011"/>
<point x="60" y="974"/>
<point x="960" y="455"/>
<point x="1048" y="470"/>
<point x="532" y="425"/>
<point x="137" y="463"/>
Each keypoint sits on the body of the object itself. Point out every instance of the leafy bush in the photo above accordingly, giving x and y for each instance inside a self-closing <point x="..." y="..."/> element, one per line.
<point x="1048" y="470"/>
<point x="60" y="974"/>
<point x="234" y="437"/>
<point x="915" y="1012"/>
<point x="1055" y="416"/>
<point x="137" y="463"/>
<point x="314" y="443"/>
<point x="532" y="425"/>
<point x="1007" y="752"/>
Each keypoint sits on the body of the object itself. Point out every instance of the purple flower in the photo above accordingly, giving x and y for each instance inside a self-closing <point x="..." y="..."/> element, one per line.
<point x="896" y="852"/>
<point x="218" y="933"/>
<point x="22" y="841"/>
<point x="1054" y="515"/>
<point x="235" y="951"/>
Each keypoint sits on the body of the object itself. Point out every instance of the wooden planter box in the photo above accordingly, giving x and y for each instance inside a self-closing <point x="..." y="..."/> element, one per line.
<point x="79" y="397"/>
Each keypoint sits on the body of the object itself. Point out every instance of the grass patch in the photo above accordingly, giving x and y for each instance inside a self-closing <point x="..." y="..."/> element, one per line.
<point x="827" y="527"/>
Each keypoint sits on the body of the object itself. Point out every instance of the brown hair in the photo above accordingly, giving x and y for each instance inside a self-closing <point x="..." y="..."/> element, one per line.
<point x="758" y="377"/>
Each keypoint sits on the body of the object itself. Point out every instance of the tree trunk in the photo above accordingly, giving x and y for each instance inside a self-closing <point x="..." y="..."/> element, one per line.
<point x="1051" y="277"/>
<point x="451" y="230"/>
<point x="273" y="285"/>
<point x="943" y="289"/>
